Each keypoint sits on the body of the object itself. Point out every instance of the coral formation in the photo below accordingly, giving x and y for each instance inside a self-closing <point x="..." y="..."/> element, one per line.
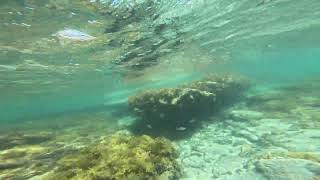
<point x="172" y="109"/>
<point x="121" y="157"/>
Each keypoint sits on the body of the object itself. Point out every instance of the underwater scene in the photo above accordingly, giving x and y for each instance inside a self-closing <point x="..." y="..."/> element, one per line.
<point x="159" y="89"/>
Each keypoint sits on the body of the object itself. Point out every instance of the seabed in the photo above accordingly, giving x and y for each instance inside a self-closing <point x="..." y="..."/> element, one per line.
<point x="271" y="133"/>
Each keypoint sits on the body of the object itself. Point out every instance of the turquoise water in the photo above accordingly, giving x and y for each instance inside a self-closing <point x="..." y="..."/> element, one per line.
<point x="68" y="70"/>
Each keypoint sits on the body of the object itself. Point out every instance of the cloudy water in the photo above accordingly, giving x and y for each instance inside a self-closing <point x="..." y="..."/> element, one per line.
<point x="160" y="89"/>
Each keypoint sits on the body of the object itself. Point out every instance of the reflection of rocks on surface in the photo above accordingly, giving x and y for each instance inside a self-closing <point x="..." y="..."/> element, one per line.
<point x="179" y="108"/>
<point x="132" y="30"/>
<point x="132" y="40"/>
<point x="135" y="31"/>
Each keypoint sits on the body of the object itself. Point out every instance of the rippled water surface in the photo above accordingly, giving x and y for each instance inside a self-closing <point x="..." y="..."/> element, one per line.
<point x="72" y="73"/>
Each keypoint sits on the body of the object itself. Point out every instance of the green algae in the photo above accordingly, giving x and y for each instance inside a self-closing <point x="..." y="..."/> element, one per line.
<point x="121" y="157"/>
<point x="311" y="156"/>
<point x="31" y="148"/>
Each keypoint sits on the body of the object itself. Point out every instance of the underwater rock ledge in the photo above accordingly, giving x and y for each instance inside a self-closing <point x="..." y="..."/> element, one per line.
<point x="18" y="139"/>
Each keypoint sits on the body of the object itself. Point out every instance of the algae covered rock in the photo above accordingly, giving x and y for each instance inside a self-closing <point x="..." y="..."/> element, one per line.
<point x="159" y="106"/>
<point x="178" y="109"/>
<point x="121" y="157"/>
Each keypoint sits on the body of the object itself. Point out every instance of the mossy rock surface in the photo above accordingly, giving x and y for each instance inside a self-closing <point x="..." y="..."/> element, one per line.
<point x="169" y="109"/>
<point x="121" y="157"/>
<point x="163" y="105"/>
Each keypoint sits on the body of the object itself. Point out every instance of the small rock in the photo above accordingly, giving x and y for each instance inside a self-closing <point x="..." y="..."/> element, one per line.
<point x="73" y="35"/>
<point x="181" y="128"/>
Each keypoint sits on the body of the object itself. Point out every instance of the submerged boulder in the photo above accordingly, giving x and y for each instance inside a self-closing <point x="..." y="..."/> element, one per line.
<point x="180" y="104"/>
<point x="177" y="109"/>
